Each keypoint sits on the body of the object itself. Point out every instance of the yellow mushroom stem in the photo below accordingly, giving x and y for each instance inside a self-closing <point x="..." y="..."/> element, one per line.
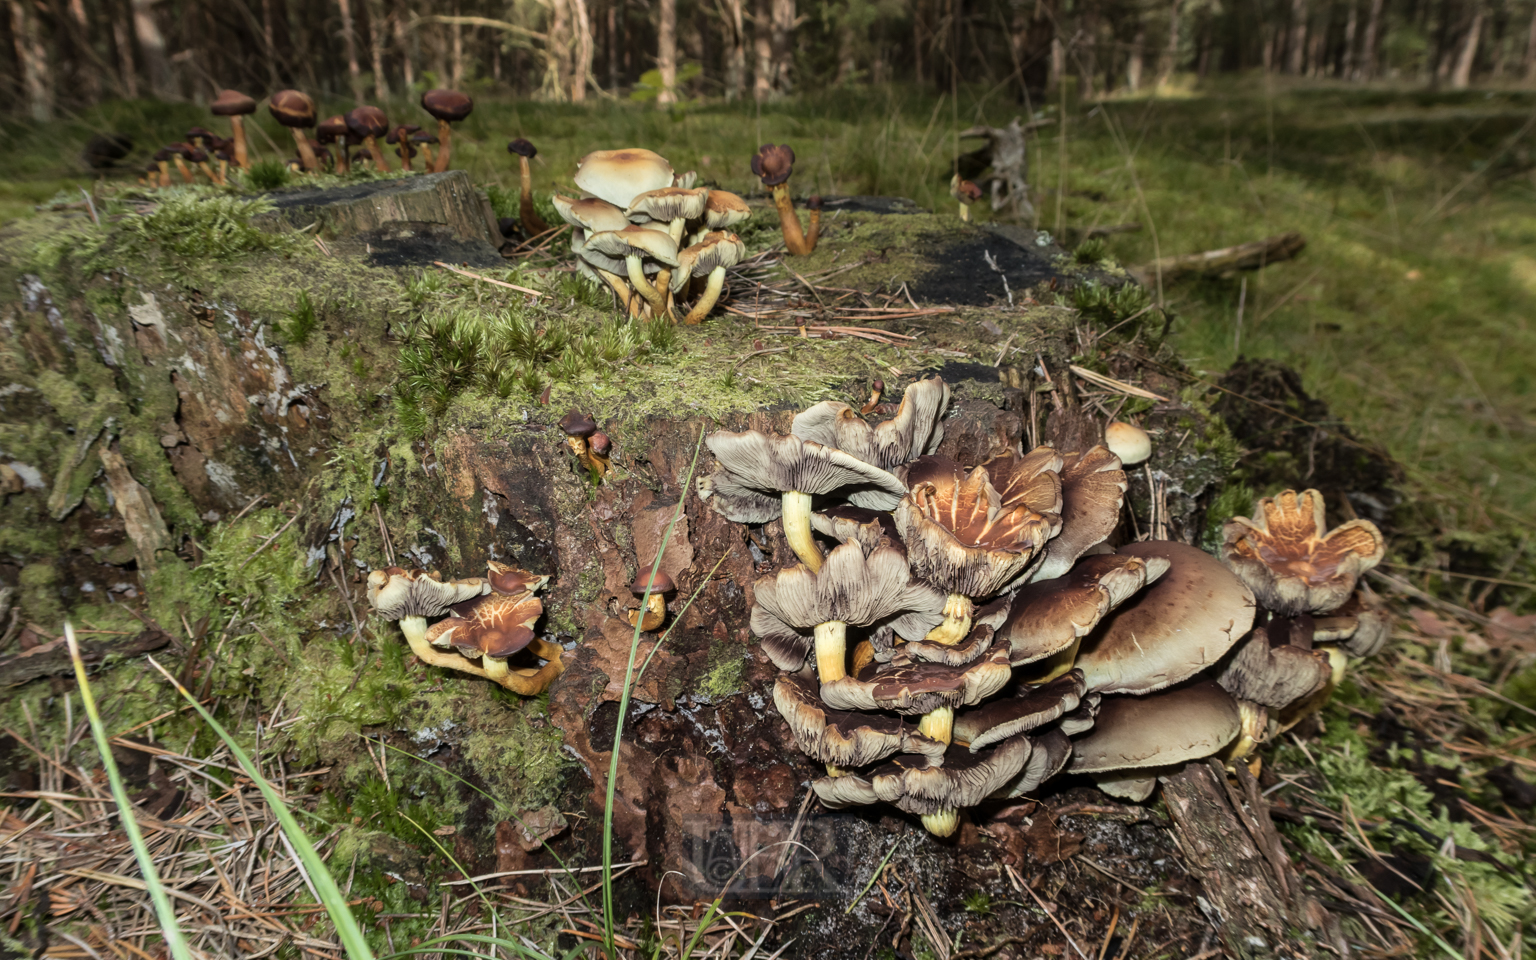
<point x="380" y="164"/>
<point x="957" y="621"/>
<point x="525" y="682"/>
<point x="939" y="724"/>
<point x="237" y="127"/>
<point x="831" y="650"/>
<point x="663" y="287"/>
<point x="836" y="771"/>
<point x="863" y="655"/>
<point x="653" y="614"/>
<point x="584" y="456"/>
<point x="942" y="824"/>
<point x="965" y="211"/>
<point x="626" y="295"/>
<point x="1053" y="666"/>
<point x="711" y="296"/>
<point x="183" y="169"/>
<point x="533" y="224"/>
<point x="794" y="240"/>
<point x="647" y="290"/>
<point x="1255" y="726"/>
<point x="813" y="232"/>
<point x="207" y="169"/>
<point x="426" y="157"/>
<point x="797" y="529"/>
<point x="165" y="172"/>
<point x="305" y="153"/>
<point x="223" y="170"/>
<point x="444" y="146"/>
<point x="1338" y="660"/>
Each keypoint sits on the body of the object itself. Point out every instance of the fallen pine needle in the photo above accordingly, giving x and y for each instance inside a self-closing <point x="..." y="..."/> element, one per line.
<point x="476" y="276"/>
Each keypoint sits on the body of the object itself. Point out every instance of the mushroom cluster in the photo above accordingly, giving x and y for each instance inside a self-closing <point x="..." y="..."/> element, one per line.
<point x="484" y="625"/>
<point x="954" y="635"/>
<point x="646" y="232"/>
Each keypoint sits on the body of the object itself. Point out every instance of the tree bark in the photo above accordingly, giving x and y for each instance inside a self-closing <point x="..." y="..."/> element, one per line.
<point x="1351" y="26"/>
<point x="557" y="52"/>
<point x="783" y="36"/>
<point x="612" y="39"/>
<point x="456" y="77"/>
<point x="581" y="55"/>
<point x="666" y="50"/>
<point x="1134" y="63"/>
<point x="1170" y="59"/>
<point x="1367" y="68"/>
<point x="1032" y="34"/>
<point x="406" y="44"/>
<point x="1466" y="57"/>
<point x="1296" y="46"/>
<point x="735" y="49"/>
<point x="152" y="46"/>
<point x="33" y="57"/>
<point x="349" y="49"/>
<point x="762" y="51"/>
<point x="126" y="68"/>
<point x="376" y="48"/>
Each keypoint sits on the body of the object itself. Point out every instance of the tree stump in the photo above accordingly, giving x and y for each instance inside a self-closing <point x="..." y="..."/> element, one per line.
<point x="447" y="200"/>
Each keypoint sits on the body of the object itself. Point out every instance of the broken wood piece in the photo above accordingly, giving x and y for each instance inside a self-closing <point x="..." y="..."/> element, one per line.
<point x="52" y="659"/>
<point x="1007" y="154"/>
<point x="141" y="518"/>
<point x="1227" y="260"/>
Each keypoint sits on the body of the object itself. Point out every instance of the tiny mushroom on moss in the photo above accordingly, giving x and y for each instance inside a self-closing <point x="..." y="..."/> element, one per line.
<point x="966" y="192"/>
<point x="447" y="107"/>
<point x="533" y="223"/>
<point x="295" y="110"/>
<point x="653" y="590"/>
<point x="578" y="428"/>
<point x="235" y="105"/>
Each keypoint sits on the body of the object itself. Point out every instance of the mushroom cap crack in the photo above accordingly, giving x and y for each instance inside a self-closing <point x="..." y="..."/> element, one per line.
<point x="1291" y="565"/>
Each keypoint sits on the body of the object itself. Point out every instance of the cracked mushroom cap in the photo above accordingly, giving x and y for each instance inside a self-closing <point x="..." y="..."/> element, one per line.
<point x="367" y="121"/>
<point x="667" y="204"/>
<point x="773" y="164"/>
<point x="718" y="249"/>
<point x="635" y="241"/>
<point x="754" y="469"/>
<point x="1273" y="674"/>
<point x="922" y="785"/>
<point x="916" y="688"/>
<point x="1158" y="730"/>
<point x="1182" y="624"/>
<point x="853" y="586"/>
<point x="1031" y="706"/>
<point x="841" y="737"/>
<point x="1049" y="616"/>
<point x="232" y="103"/>
<point x="1092" y="489"/>
<point x="590" y="213"/>
<point x="292" y="108"/>
<point x="396" y="593"/>
<point x="449" y="105"/>
<point x="724" y="210"/>
<point x="494" y="626"/>
<point x="973" y="534"/>
<point x="916" y="430"/>
<point x="1290" y="563"/>
<point x="619" y="176"/>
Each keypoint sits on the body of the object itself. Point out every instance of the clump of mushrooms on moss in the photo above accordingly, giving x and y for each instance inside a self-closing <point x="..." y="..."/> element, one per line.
<point x="951" y="633"/>
<point x="646" y="233"/>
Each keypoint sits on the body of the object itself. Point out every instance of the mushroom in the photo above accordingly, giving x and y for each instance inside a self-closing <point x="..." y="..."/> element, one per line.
<point x="722" y="211"/>
<point x="601" y="269"/>
<point x="335" y="131"/>
<point x="1136" y="739"/>
<point x="180" y="154"/>
<point x="400" y="139"/>
<point x="368" y="123"/>
<point x="494" y="628"/>
<point x="674" y="206"/>
<point x="1182" y="624"/>
<point x="1049" y="754"/>
<point x="1268" y="669"/>
<point x="876" y="391"/>
<point x="533" y="224"/>
<point x="1291" y="565"/>
<point x="618" y="176"/>
<point x="599" y="445"/>
<point x="773" y="165"/>
<point x="1128" y="442"/>
<point x="235" y="106"/>
<point x="915" y="431"/>
<point x="1030" y="707"/>
<point x="813" y="228"/>
<point x="1092" y="489"/>
<point x="423" y="141"/>
<point x="854" y="586"/>
<point x="591" y="215"/>
<point x="843" y="738"/>
<point x="162" y="160"/>
<point x="199" y="156"/>
<point x="652" y="589"/>
<point x="201" y="137"/>
<point x="966" y="192"/>
<point x="296" y="111"/>
<point x="411" y="596"/>
<point x="759" y="477"/>
<point x="970" y="535"/>
<point x="710" y="257"/>
<point x="448" y="107"/>
<point x="634" y="243"/>
<point x="845" y="524"/>
<point x="921" y="688"/>
<point x="1360" y="627"/>
<point x="578" y="427"/>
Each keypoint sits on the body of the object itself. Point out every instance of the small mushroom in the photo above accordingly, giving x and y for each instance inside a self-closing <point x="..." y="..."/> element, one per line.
<point x="1135" y="739"/>
<point x="1030" y="707"/>
<point x="235" y="105"/>
<point x="618" y="176"/>
<point x="652" y="590"/>
<point x="423" y="141"/>
<point x="843" y="738"/>
<point x="448" y="107"/>
<point x="1128" y="442"/>
<point x="496" y="626"/>
<point x="674" y="206"/>
<point x="876" y="391"/>
<point x="1291" y="565"/>
<point x="411" y="596"/>
<point x="601" y="268"/>
<point x="773" y="165"/>
<point x="710" y="257"/>
<point x="533" y="224"/>
<point x="335" y="131"/>
<point x="578" y="428"/>
<point x="400" y="139"/>
<point x="368" y="123"/>
<point x="813" y="203"/>
<point x="180" y="154"/>
<point x="917" y="688"/>
<point x="295" y="110"/>
<point x="1267" y="669"/>
<point x="199" y="157"/>
<point x="600" y="446"/>
<point x="966" y="192"/>
<point x="916" y="430"/>
<point x="722" y="211"/>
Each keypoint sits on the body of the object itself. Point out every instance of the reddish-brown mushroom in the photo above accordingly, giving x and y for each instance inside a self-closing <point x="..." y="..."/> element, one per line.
<point x="235" y="105"/>
<point x="368" y="124"/>
<point x="447" y="106"/>
<point x="295" y="110"/>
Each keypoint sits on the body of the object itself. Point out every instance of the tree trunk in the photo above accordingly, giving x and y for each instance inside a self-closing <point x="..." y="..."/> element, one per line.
<point x="783" y="36"/>
<point x="1367" y="68"/>
<point x="349" y="49"/>
<point x="1296" y="46"/>
<point x="33" y="58"/>
<point x="762" y="51"/>
<point x="456" y="78"/>
<point x="918" y="40"/>
<point x="611" y="29"/>
<point x="1466" y="57"/>
<point x="406" y="44"/>
<point x="1133" y="65"/>
<point x="847" y="64"/>
<point x="557" y="52"/>
<point x="1032" y="34"/>
<point x="152" y="45"/>
<point x="666" y="50"/>
<point x="581" y="55"/>
<point x="1530" y="48"/>
<point x="1170" y="61"/>
<point x="376" y="48"/>
<point x="735" y="49"/>
<point x="126" y="68"/>
<point x="1351" y="25"/>
<point x="87" y="75"/>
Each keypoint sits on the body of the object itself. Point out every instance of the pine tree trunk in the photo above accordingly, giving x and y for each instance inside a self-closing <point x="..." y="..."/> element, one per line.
<point x="847" y="65"/>
<point x="1530" y="48"/>
<point x="1367" y="68"/>
<point x="1134" y="64"/>
<point x="33" y="58"/>
<point x="1296" y="46"/>
<point x="406" y="44"/>
<point x="1170" y="59"/>
<point x="783" y="46"/>
<point x="456" y="78"/>
<point x="918" y="39"/>
<point x="762" y="51"/>
<point x="152" y="45"/>
<point x="349" y="49"/>
<point x="666" y="50"/>
<point x="126" y="68"/>
<point x="1347" y="56"/>
<point x="735" y="49"/>
<point x="557" y="52"/>
<point x="1466" y="57"/>
<point x="581" y="55"/>
<point x="611" y="13"/>
<point x="376" y="48"/>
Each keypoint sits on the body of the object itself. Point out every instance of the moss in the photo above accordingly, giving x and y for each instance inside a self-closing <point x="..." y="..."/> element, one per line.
<point x="39" y="583"/>
<point x="723" y="678"/>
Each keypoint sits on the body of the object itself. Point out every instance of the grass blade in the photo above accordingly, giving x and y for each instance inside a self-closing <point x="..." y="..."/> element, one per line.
<point x="169" y="927"/>
<point x="319" y="874"/>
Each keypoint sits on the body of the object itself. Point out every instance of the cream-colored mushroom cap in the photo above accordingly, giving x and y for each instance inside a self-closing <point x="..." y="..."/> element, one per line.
<point x="715" y="250"/>
<point x="1128" y="442"/>
<point x="397" y="593"/>
<point x="619" y="176"/>
<point x="724" y="209"/>
<point x="635" y="241"/>
<point x="668" y="203"/>
<point x="1159" y="730"/>
<point x="585" y="256"/>
<point x="1178" y="626"/>
<point x="1092" y="489"/>
<point x="590" y="213"/>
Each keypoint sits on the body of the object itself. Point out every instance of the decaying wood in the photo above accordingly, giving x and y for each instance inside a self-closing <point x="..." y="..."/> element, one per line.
<point x="449" y="200"/>
<point x="1253" y="894"/>
<point x="1227" y="260"/>
<point x="1007" y="153"/>
<point x="145" y="527"/>
<point x="52" y="658"/>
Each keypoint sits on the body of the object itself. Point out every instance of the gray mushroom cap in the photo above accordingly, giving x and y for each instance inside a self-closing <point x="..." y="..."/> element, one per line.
<point x="1158" y="730"/>
<point x="1092" y="489"/>
<point x="635" y="241"/>
<point x="753" y="470"/>
<point x="841" y="737"/>
<point x="845" y="523"/>
<point x="916" y="688"/>
<point x="396" y="593"/>
<point x="1275" y="675"/>
<point x="1048" y="616"/>
<point x="925" y="785"/>
<point x="1030" y="707"/>
<point x="1051" y="750"/>
<point x="1180" y="625"/>
<point x="915" y="430"/>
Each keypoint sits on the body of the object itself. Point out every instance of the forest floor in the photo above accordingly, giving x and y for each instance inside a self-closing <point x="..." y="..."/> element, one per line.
<point x="1407" y="804"/>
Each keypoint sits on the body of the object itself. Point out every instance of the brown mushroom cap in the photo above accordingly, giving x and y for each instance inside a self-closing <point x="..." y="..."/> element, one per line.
<point x="590" y="213"/>
<point x="449" y="105"/>
<point x="1048" y="616"/>
<point x="1158" y="730"/>
<point x="578" y="424"/>
<point x="923" y="785"/>
<point x="396" y="593"/>
<point x="668" y="203"/>
<point x="505" y="578"/>
<point x="773" y="164"/>
<point x="522" y="148"/>
<point x="618" y="176"/>
<point x="232" y="103"/>
<point x="292" y="108"/>
<point x="917" y="688"/>
<point x="724" y="210"/>
<point x="1051" y="750"/>
<point x="1292" y="566"/>
<point x="1030" y="706"/>
<point x="917" y="428"/>
<point x="754" y="469"/>
<point x="966" y="191"/>
<point x="600" y="444"/>
<point x="1092" y="489"/>
<point x="1274" y="674"/>
<point x="495" y="626"/>
<point x="401" y="132"/>
<point x="333" y="130"/>
<point x="1178" y="626"/>
<point x="656" y="583"/>
<point x="367" y="121"/>
<point x="842" y="737"/>
<point x="716" y="250"/>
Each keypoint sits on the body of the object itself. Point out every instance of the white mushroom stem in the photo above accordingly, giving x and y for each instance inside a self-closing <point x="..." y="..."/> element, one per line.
<point x="957" y="621"/>
<point x="1255" y="720"/>
<point x="647" y="290"/>
<point x="942" y="824"/>
<point x="797" y="530"/>
<point x="711" y="295"/>
<point x="831" y="650"/>
<point x="965" y="212"/>
<point x="626" y="295"/>
<point x="675" y="227"/>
